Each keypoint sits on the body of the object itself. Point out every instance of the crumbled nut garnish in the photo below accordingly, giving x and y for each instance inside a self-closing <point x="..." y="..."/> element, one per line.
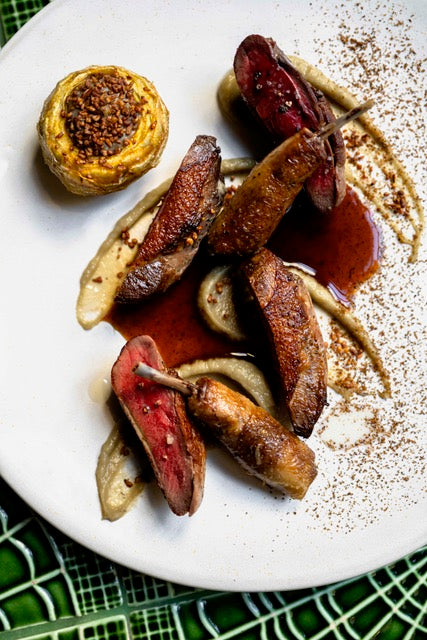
<point x="229" y="192"/>
<point x="101" y="114"/>
<point x="127" y="240"/>
<point x="219" y="287"/>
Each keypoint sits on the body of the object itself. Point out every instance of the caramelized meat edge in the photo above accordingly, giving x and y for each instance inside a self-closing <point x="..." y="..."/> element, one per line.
<point x="294" y="336"/>
<point x="260" y="444"/>
<point x="250" y="217"/>
<point x="284" y="102"/>
<point x="179" y="226"/>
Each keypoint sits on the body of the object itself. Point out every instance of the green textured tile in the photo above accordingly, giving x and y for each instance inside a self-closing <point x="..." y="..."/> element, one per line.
<point x="308" y="619"/>
<point x="25" y="608"/>
<point x="110" y="629"/>
<point x="350" y="595"/>
<point x="15" y="14"/>
<point x="155" y="623"/>
<point x="60" y="595"/>
<point x="36" y="540"/>
<point x="73" y="634"/>
<point x="228" y="612"/>
<point x="14" y="567"/>
<point x="142" y="589"/>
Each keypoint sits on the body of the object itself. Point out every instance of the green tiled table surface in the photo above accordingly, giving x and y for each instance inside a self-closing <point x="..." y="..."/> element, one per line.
<point x="52" y="588"/>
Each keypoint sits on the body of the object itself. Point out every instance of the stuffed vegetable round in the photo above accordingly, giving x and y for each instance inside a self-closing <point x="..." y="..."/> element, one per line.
<point x="101" y="128"/>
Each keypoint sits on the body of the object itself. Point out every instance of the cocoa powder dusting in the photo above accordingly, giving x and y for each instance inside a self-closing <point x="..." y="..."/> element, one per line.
<point x="376" y="446"/>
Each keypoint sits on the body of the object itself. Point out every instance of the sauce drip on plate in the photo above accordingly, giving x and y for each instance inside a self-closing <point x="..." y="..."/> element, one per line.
<point x="342" y="247"/>
<point x="173" y="320"/>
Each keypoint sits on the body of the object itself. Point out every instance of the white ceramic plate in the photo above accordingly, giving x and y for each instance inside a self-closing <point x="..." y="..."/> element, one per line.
<point x="360" y="513"/>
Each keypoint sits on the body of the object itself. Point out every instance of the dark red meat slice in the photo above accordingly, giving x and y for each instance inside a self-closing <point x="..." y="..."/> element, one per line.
<point x="285" y="102"/>
<point x="158" y="415"/>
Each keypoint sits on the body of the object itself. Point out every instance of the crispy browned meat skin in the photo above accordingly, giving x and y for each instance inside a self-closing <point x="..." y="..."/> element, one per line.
<point x="181" y="223"/>
<point x="158" y="415"/>
<point x="294" y="336"/>
<point x="258" y="442"/>
<point x="249" y="218"/>
<point x="280" y="97"/>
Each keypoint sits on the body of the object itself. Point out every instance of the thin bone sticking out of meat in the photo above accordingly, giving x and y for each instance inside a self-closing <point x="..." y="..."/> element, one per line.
<point x="284" y="102"/>
<point x="260" y="444"/>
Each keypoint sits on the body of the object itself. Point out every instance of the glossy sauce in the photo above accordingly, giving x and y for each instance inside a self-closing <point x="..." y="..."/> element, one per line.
<point x="342" y="247"/>
<point x="173" y="321"/>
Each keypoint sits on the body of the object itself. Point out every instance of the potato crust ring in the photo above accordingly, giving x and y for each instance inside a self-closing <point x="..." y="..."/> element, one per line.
<point x="92" y="178"/>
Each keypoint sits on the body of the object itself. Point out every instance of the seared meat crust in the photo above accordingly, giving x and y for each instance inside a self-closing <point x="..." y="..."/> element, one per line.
<point x="249" y="218"/>
<point x="179" y="226"/>
<point x="296" y="343"/>
<point x="280" y="97"/>
<point x="256" y="440"/>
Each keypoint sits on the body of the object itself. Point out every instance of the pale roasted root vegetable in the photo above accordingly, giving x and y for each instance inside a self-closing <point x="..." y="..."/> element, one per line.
<point x="216" y="303"/>
<point x="97" y="174"/>
<point x="258" y="442"/>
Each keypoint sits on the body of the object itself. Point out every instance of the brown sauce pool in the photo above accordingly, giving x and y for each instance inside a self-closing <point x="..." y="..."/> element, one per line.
<point x="173" y="321"/>
<point x="342" y="247"/>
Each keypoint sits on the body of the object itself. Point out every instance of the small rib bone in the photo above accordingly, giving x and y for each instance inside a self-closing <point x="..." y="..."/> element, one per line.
<point x="354" y="113"/>
<point x="147" y="372"/>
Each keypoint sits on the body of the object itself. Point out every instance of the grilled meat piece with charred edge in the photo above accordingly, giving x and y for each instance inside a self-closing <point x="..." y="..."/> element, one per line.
<point x="296" y="343"/>
<point x="261" y="445"/>
<point x="158" y="415"/>
<point x="280" y="97"/>
<point x="249" y="218"/>
<point x="179" y="226"/>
